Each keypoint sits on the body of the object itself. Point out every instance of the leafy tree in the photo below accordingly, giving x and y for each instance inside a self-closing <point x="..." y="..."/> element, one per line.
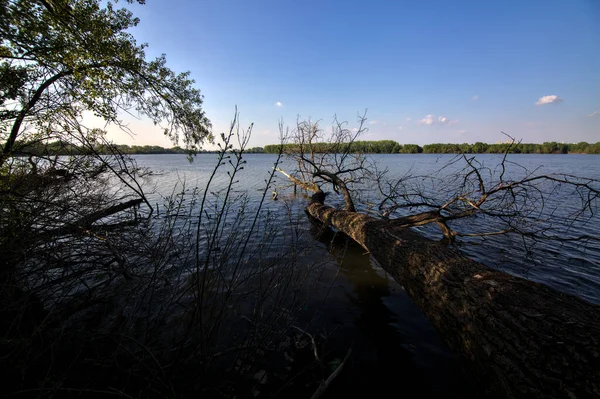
<point x="465" y="148"/>
<point x="550" y="147"/>
<point x="59" y="58"/>
<point x="62" y="219"/>
<point x="479" y="147"/>
<point x="73" y="243"/>
<point x="411" y="149"/>
<point x="580" y="147"/>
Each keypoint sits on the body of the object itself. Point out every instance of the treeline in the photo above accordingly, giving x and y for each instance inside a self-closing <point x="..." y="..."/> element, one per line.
<point x="551" y="147"/>
<point x="63" y="148"/>
<point x="367" y="147"/>
<point x="392" y="147"/>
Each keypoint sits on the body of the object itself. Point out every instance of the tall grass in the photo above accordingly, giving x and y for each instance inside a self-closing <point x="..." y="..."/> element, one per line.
<point x="147" y="303"/>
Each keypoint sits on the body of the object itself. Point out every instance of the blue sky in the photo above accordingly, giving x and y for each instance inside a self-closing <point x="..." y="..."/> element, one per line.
<point x="427" y="71"/>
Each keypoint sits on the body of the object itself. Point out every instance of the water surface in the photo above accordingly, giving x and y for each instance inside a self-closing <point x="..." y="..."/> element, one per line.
<point x="393" y="342"/>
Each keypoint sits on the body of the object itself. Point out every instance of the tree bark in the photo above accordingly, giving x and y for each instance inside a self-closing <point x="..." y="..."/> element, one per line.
<point x="518" y="338"/>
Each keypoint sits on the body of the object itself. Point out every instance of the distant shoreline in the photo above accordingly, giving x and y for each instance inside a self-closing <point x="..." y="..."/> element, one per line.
<point x="365" y="147"/>
<point x="393" y="147"/>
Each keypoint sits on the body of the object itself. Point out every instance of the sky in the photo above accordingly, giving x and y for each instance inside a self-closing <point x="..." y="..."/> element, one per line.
<point x="425" y="71"/>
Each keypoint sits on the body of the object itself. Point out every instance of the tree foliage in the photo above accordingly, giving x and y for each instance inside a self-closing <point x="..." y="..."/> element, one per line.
<point x="62" y="148"/>
<point x="60" y="58"/>
<point x="551" y="147"/>
<point x="392" y="147"/>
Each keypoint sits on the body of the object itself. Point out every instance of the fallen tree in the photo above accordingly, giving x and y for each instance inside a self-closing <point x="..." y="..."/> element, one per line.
<point x="518" y="338"/>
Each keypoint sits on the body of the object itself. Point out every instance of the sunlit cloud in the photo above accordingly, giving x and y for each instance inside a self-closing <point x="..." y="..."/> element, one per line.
<point x="552" y="99"/>
<point x="442" y="120"/>
<point x="595" y="113"/>
<point x="428" y="120"/>
<point x="475" y="98"/>
<point x="278" y="104"/>
<point x="374" y="122"/>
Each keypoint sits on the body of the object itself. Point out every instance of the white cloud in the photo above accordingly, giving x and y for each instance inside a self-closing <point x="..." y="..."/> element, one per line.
<point x="552" y="99"/>
<point x="462" y="131"/>
<point x="400" y="127"/>
<point x="431" y="120"/>
<point x="475" y="98"/>
<point x="445" y="121"/>
<point x="408" y="119"/>
<point x="428" y="120"/>
<point x="373" y="122"/>
<point x="354" y="129"/>
<point x="595" y="113"/>
<point x="278" y="104"/>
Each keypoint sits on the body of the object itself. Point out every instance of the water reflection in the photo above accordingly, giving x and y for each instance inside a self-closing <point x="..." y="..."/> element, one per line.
<point x="575" y="270"/>
<point x="395" y="349"/>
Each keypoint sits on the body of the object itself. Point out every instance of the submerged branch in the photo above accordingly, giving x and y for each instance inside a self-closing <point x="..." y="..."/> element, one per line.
<point x="85" y="223"/>
<point x="310" y="186"/>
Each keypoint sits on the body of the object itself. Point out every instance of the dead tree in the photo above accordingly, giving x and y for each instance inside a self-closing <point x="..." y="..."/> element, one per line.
<point x="333" y="161"/>
<point x="517" y="338"/>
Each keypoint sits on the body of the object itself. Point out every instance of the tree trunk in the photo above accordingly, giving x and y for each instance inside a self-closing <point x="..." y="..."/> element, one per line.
<point x="518" y="338"/>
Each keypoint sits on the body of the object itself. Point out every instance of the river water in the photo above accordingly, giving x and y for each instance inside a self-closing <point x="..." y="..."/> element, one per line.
<point x="394" y="345"/>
